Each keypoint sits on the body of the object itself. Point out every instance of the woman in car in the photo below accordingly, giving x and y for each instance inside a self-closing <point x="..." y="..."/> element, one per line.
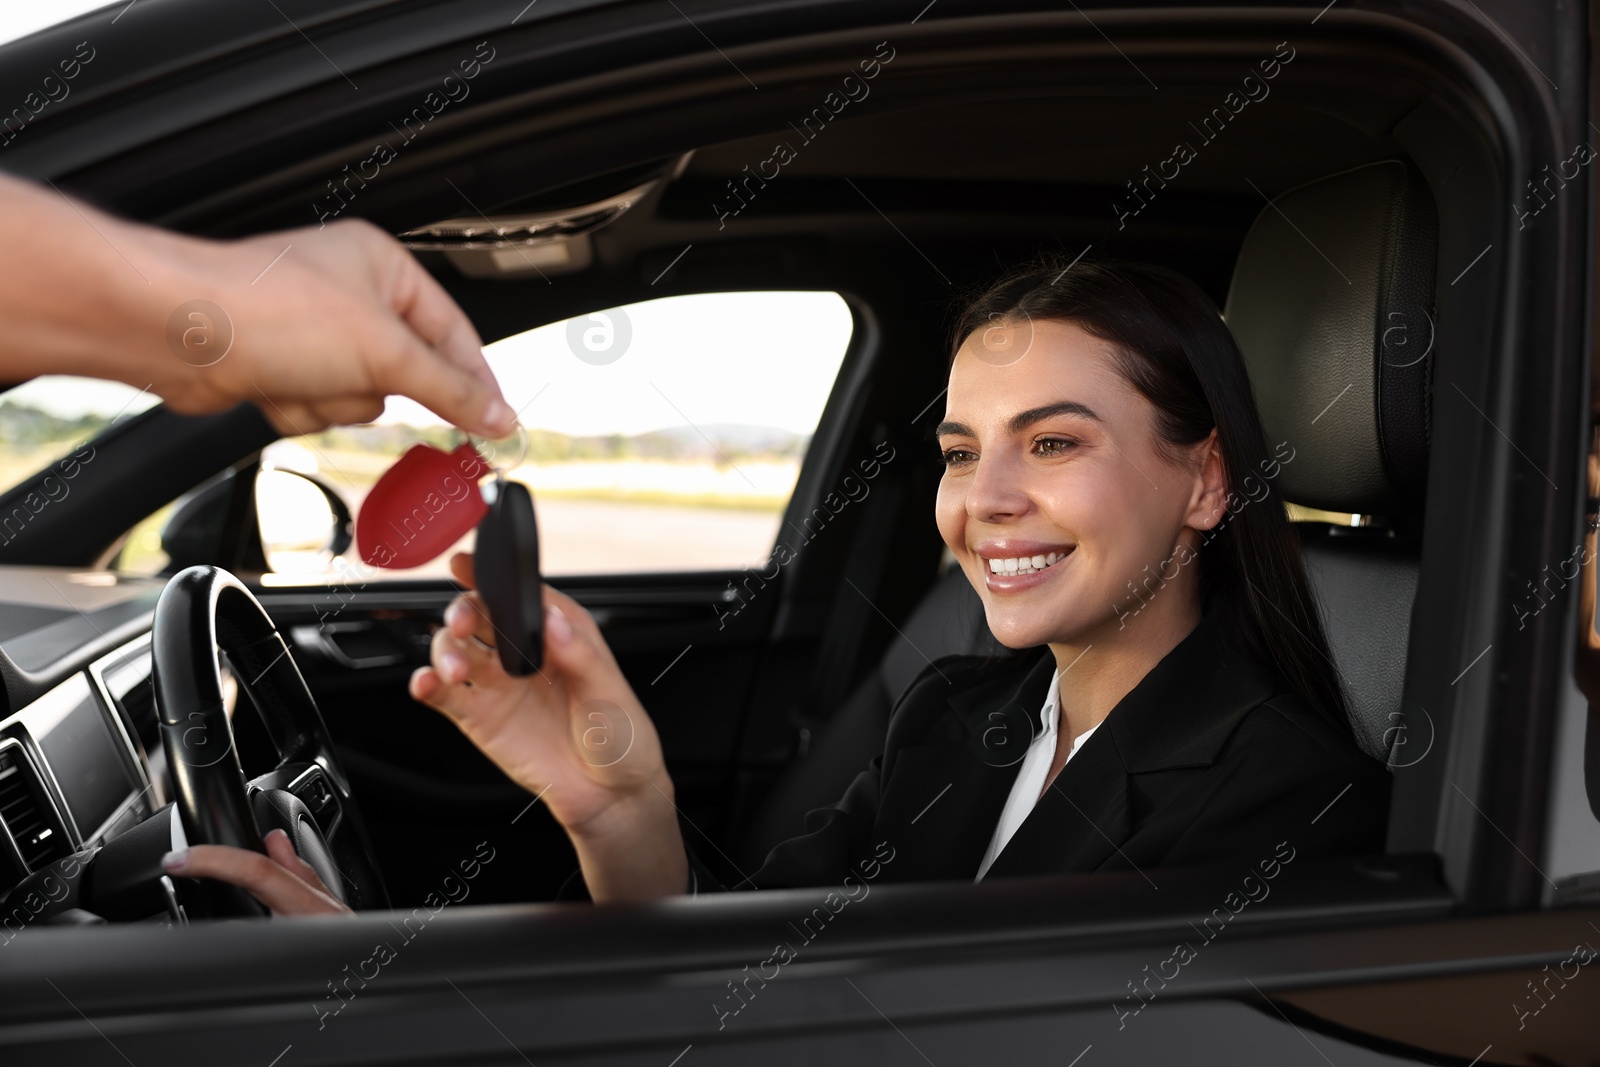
<point x="1110" y="494"/>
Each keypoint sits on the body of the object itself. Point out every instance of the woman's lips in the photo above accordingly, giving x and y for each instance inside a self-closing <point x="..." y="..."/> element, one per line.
<point x="1014" y="582"/>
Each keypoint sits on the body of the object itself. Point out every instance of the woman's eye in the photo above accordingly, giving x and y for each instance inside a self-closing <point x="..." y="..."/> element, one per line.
<point x="955" y="457"/>
<point x="1055" y="446"/>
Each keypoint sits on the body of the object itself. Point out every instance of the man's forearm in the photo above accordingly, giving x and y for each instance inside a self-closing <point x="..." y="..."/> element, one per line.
<point x="81" y="292"/>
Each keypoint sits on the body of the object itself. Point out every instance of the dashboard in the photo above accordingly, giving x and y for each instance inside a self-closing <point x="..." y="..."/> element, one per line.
<point x="80" y="754"/>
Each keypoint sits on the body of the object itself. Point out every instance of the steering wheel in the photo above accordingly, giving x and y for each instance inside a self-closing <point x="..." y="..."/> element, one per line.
<point x="204" y="610"/>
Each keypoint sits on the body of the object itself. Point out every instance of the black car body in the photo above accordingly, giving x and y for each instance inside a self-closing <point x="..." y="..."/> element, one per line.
<point x="992" y="128"/>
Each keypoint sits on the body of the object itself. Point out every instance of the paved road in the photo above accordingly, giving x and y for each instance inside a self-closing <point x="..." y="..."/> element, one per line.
<point x="601" y="537"/>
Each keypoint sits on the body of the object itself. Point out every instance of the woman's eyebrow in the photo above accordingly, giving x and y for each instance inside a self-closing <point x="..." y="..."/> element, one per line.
<point x="1023" y="419"/>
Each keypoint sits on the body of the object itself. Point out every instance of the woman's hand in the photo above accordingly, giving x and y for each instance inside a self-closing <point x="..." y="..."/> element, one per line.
<point x="573" y="734"/>
<point x="281" y="880"/>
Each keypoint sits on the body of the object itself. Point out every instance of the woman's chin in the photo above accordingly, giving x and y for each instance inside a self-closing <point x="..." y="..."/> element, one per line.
<point x="1018" y="633"/>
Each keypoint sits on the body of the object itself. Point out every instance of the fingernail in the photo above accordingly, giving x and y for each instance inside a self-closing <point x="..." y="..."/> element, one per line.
<point x="174" y="860"/>
<point x="454" y="612"/>
<point x="560" y="629"/>
<point x="452" y="665"/>
<point x="278" y="831"/>
<point x="500" y="417"/>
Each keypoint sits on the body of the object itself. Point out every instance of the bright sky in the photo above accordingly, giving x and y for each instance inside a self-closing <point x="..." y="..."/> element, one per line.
<point x="764" y="358"/>
<point x="18" y="18"/>
<point x="768" y="359"/>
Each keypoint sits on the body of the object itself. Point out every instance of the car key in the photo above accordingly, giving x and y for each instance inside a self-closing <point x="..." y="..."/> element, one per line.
<point x="505" y="566"/>
<point x="429" y="500"/>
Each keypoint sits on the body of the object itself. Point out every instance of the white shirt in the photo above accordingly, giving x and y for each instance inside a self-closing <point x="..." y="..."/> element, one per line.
<point x="1030" y="778"/>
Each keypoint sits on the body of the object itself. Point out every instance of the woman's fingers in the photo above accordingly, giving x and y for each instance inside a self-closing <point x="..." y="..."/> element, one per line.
<point x="283" y="890"/>
<point x="577" y="647"/>
<point x="468" y="616"/>
<point x="461" y="569"/>
<point x="464" y="677"/>
<point x="280" y="848"/>
<point x="424" y="685"/>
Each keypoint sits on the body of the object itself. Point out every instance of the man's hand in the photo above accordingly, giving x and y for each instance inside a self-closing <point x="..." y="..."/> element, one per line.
<point x="344" y="318"/>
<point x="316" y="325"/>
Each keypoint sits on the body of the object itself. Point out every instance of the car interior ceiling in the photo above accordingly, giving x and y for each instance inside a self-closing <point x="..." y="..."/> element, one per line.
<point x="901" y="207"/>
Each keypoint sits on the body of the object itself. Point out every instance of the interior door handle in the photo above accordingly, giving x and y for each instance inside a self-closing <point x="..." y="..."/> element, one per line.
<point x="323" y="640"/>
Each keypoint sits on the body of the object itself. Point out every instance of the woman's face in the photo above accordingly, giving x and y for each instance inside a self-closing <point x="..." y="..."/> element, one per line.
<point x="1050" y="460"/>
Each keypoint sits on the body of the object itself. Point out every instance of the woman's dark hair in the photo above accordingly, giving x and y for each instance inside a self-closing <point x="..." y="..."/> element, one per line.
<point x="1171" y="344"/>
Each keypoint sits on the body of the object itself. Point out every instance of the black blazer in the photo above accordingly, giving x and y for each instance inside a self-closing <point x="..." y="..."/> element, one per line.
<point x="1209" y="757"/>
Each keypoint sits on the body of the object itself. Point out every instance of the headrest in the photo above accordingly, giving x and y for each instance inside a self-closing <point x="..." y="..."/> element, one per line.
<point x="1332" y="304"/>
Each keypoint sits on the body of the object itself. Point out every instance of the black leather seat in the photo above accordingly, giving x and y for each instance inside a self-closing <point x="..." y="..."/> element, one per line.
<point x="1332" y="303"/>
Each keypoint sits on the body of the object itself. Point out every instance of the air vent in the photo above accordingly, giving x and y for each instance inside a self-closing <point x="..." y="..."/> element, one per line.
<point x="27" y="811"/>
<point x="139" y="706"/>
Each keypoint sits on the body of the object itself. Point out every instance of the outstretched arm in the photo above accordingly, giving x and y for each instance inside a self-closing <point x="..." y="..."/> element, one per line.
<point x="314" y="326"/>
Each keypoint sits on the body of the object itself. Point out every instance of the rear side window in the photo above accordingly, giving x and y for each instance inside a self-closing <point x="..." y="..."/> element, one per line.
<point x="662" y="436"/>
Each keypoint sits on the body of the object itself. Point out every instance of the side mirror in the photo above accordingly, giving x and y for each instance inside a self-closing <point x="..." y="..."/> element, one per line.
<point x="304" y="523"/>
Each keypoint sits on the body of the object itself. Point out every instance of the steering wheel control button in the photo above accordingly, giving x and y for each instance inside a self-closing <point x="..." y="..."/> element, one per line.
<point x="316" y="794"/>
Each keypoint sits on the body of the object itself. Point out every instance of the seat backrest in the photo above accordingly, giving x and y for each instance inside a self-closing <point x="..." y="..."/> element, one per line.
<point x="1332" y="303"/>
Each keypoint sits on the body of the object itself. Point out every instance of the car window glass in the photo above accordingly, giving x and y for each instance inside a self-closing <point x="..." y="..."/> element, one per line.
<point x="662" y="436"/>
<point x="45" y="420"/>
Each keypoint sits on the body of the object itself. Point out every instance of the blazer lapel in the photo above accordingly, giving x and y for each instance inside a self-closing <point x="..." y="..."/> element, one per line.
<point x="1178" y="715"/>
<point x="1079" y="821"/>
<point x="943" y="797"/>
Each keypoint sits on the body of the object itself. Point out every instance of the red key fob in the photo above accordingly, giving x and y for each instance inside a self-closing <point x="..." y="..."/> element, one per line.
<point x="505" y="568"/>
<point x="421" y="506"/>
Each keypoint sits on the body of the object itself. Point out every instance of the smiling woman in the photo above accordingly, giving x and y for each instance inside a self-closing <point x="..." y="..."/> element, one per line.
<point x="1100" y="425"/>
<point x="1111" y="417"/>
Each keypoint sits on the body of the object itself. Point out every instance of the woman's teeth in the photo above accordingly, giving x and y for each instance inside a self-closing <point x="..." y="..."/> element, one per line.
<point x="1026" y="564"/>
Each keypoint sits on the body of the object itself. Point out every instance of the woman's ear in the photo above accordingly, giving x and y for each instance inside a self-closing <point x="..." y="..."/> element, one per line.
<point x="1210" y="498"/>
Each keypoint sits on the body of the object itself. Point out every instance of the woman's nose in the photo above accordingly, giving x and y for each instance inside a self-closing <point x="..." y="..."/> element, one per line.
<point x="998" y="490"/>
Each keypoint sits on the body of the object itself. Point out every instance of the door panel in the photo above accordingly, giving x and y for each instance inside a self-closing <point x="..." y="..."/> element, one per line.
<point x="1042" y="968"/>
